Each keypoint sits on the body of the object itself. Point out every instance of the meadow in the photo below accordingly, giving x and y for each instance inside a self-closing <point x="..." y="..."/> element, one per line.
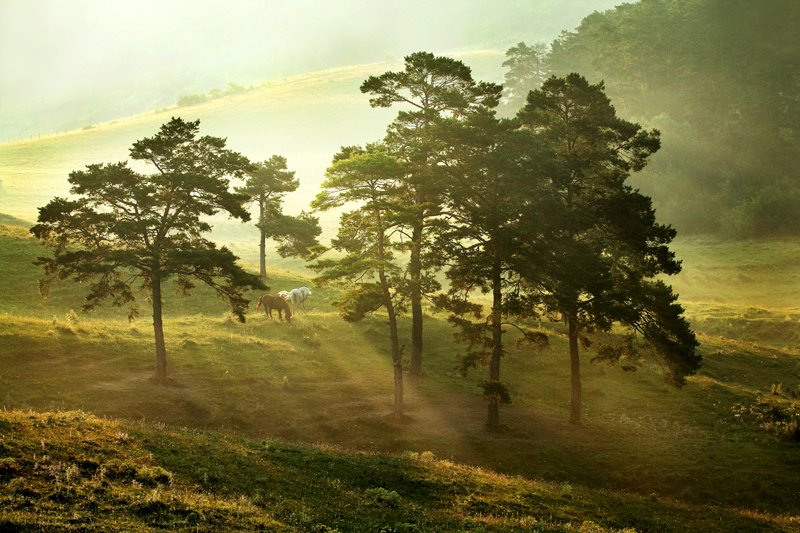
<point x="319" y="391"/>
<point x="276" y="426"/>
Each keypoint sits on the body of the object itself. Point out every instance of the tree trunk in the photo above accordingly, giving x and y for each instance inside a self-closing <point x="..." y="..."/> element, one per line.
<point x="158" y="330"/>
<point x="575" y="367"/>
<point x="262" y="246"/>
<point x="262" y="255"/>
<point x="493" y="418"/>
<point x="415" y="273"/>
<point x="397" y="358"/>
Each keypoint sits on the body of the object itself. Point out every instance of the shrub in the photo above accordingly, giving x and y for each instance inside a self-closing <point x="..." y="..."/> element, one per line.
<point x="771" y="210"/>
<point x="389" y="498"/>
<point x="775" y="413"/>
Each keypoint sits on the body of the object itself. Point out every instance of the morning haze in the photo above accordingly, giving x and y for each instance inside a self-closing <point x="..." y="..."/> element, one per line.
<point x="421" y="266"/>
<point x="66" y="65"/>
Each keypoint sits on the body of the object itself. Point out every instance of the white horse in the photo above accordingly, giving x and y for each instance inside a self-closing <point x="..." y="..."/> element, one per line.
<point x="286" y="295"/>
<point x="299" y="297"/>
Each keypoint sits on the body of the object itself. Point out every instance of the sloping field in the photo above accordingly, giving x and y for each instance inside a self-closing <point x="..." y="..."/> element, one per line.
<point x="322" y="380"/>
<point x="72" y="471"/>
<point x="304" y="118"/>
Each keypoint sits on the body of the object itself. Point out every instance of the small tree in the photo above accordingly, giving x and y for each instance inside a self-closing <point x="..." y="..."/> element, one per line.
<point x="266" y="185"/>
<point x="605" y="248"/>
<point x="369" y="179"/>
<point x="123" y="228"/>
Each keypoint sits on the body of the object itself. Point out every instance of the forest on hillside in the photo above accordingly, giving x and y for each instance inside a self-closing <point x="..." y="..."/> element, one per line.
<point x="721" y="80"/>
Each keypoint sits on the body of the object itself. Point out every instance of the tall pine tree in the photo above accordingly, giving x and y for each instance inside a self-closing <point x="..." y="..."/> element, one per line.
<point x="124" y="228"/>
<point x="605" y="248"/>
<point x="429" y="89"/>
<point x="371" y="179"/>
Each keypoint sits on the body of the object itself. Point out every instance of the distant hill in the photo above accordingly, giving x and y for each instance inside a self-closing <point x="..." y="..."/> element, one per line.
<point x="304" y="118"/>
<point x="8" y="220"/>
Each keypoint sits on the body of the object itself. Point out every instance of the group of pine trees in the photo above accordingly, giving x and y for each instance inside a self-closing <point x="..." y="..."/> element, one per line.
<point x="532" y="210"/>
<point x="123" y="231"/>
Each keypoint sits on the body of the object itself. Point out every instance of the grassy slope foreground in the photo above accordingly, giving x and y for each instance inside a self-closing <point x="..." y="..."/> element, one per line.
<point x="74" y="471"/>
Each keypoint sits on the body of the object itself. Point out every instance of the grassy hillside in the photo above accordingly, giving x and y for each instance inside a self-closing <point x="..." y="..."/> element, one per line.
<point x="74" y="471"/>
<point x="221" y="444"/>
<point x="321" y="380"/>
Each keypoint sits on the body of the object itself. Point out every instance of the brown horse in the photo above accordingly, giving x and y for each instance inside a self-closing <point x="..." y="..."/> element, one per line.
<point x="271" y="302"/>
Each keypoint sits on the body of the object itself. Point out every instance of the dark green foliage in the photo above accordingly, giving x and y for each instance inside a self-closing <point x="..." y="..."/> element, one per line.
<point x="359" y="300"/>
<point x="495" y="391"/>
<point x="436" y="88"/>
<point x="602" y="247"/>
<point x="493" y="181"/>
<point x="720" y="78"/>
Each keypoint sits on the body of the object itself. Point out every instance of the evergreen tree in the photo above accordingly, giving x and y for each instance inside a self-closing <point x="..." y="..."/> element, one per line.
<point x="719" y="78"/>
<point x="604" y="250"/>
<point x="371" y="179"/>
<point x="527" y="70"/>
<point x="266" y="185"/>
<point x="493" y="181"/>
<point x="123" y="227"/>
<point x="429" y="88"/>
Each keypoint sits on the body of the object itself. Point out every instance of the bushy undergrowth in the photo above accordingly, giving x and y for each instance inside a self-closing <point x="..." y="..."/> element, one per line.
<point x="777" y="412"/>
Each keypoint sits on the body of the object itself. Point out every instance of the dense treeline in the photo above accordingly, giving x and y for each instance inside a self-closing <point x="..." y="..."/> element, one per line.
<point x="721" y="80"/>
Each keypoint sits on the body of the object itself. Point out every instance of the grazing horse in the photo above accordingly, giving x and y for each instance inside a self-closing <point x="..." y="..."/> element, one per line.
<point x="271" y="302"/>
<point x="299" y="297"/>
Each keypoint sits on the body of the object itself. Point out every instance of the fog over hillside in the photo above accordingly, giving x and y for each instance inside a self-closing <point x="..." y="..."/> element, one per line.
<point x="70" y="64"/>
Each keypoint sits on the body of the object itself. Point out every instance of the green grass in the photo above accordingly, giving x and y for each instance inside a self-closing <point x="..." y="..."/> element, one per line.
<point x="643" y="451"/>
<point x="74" y="471"/>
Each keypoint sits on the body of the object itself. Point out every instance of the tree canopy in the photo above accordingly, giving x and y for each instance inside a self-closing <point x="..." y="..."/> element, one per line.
<point x="429" y="89"/>
<point x="718" y="77"/>
<point x="598" y="264"/>
<point x="266" y="185"/>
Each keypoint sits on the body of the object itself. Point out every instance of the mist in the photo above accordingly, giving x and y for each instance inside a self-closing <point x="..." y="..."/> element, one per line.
<point x="69" y="64"/>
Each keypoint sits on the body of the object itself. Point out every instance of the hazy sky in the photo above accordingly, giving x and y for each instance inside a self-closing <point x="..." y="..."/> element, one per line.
<point x="62" y="54"/>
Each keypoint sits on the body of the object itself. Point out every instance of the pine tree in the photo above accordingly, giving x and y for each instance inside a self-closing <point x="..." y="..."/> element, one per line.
<point x="600" y="258"/>
<point x="429" y="88"/>
<point x="123" y="227"/>
<point x="371" y="178"/>
<point x="266" y="185"/>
